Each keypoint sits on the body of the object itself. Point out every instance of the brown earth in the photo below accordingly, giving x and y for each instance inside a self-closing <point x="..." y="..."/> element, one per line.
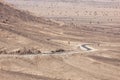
<point x="23" y="33"/>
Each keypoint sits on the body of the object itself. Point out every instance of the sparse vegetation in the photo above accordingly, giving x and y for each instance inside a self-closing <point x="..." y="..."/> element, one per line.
<point x="24" y="51"/>
<point x="58" y="51"/>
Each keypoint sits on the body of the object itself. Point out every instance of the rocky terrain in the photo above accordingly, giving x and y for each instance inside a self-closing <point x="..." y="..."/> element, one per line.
<point x="66" y="46"/>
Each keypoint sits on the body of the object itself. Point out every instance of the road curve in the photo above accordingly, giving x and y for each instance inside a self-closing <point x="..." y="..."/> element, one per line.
<point x="86" y="47"/>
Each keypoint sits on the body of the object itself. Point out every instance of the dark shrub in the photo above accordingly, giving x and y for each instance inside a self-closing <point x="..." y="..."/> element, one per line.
<point x="60" y="50"/>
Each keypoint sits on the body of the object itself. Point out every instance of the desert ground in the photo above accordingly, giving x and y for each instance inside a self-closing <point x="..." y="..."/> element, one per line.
<point x="59" y="40"/>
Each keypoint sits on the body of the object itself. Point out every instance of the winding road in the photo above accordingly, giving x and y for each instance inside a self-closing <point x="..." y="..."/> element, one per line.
<point x="86" y="47"/>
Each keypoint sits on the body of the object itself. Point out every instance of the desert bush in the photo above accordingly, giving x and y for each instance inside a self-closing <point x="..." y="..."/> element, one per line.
<point x="58" y="50"/>
<point x="3" y="52"/>
<point x="28" y="51"/>
<point x="22" y="51"/>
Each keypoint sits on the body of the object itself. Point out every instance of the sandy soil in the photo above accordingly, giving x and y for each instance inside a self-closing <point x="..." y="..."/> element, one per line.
<point x="36" y="48"/>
